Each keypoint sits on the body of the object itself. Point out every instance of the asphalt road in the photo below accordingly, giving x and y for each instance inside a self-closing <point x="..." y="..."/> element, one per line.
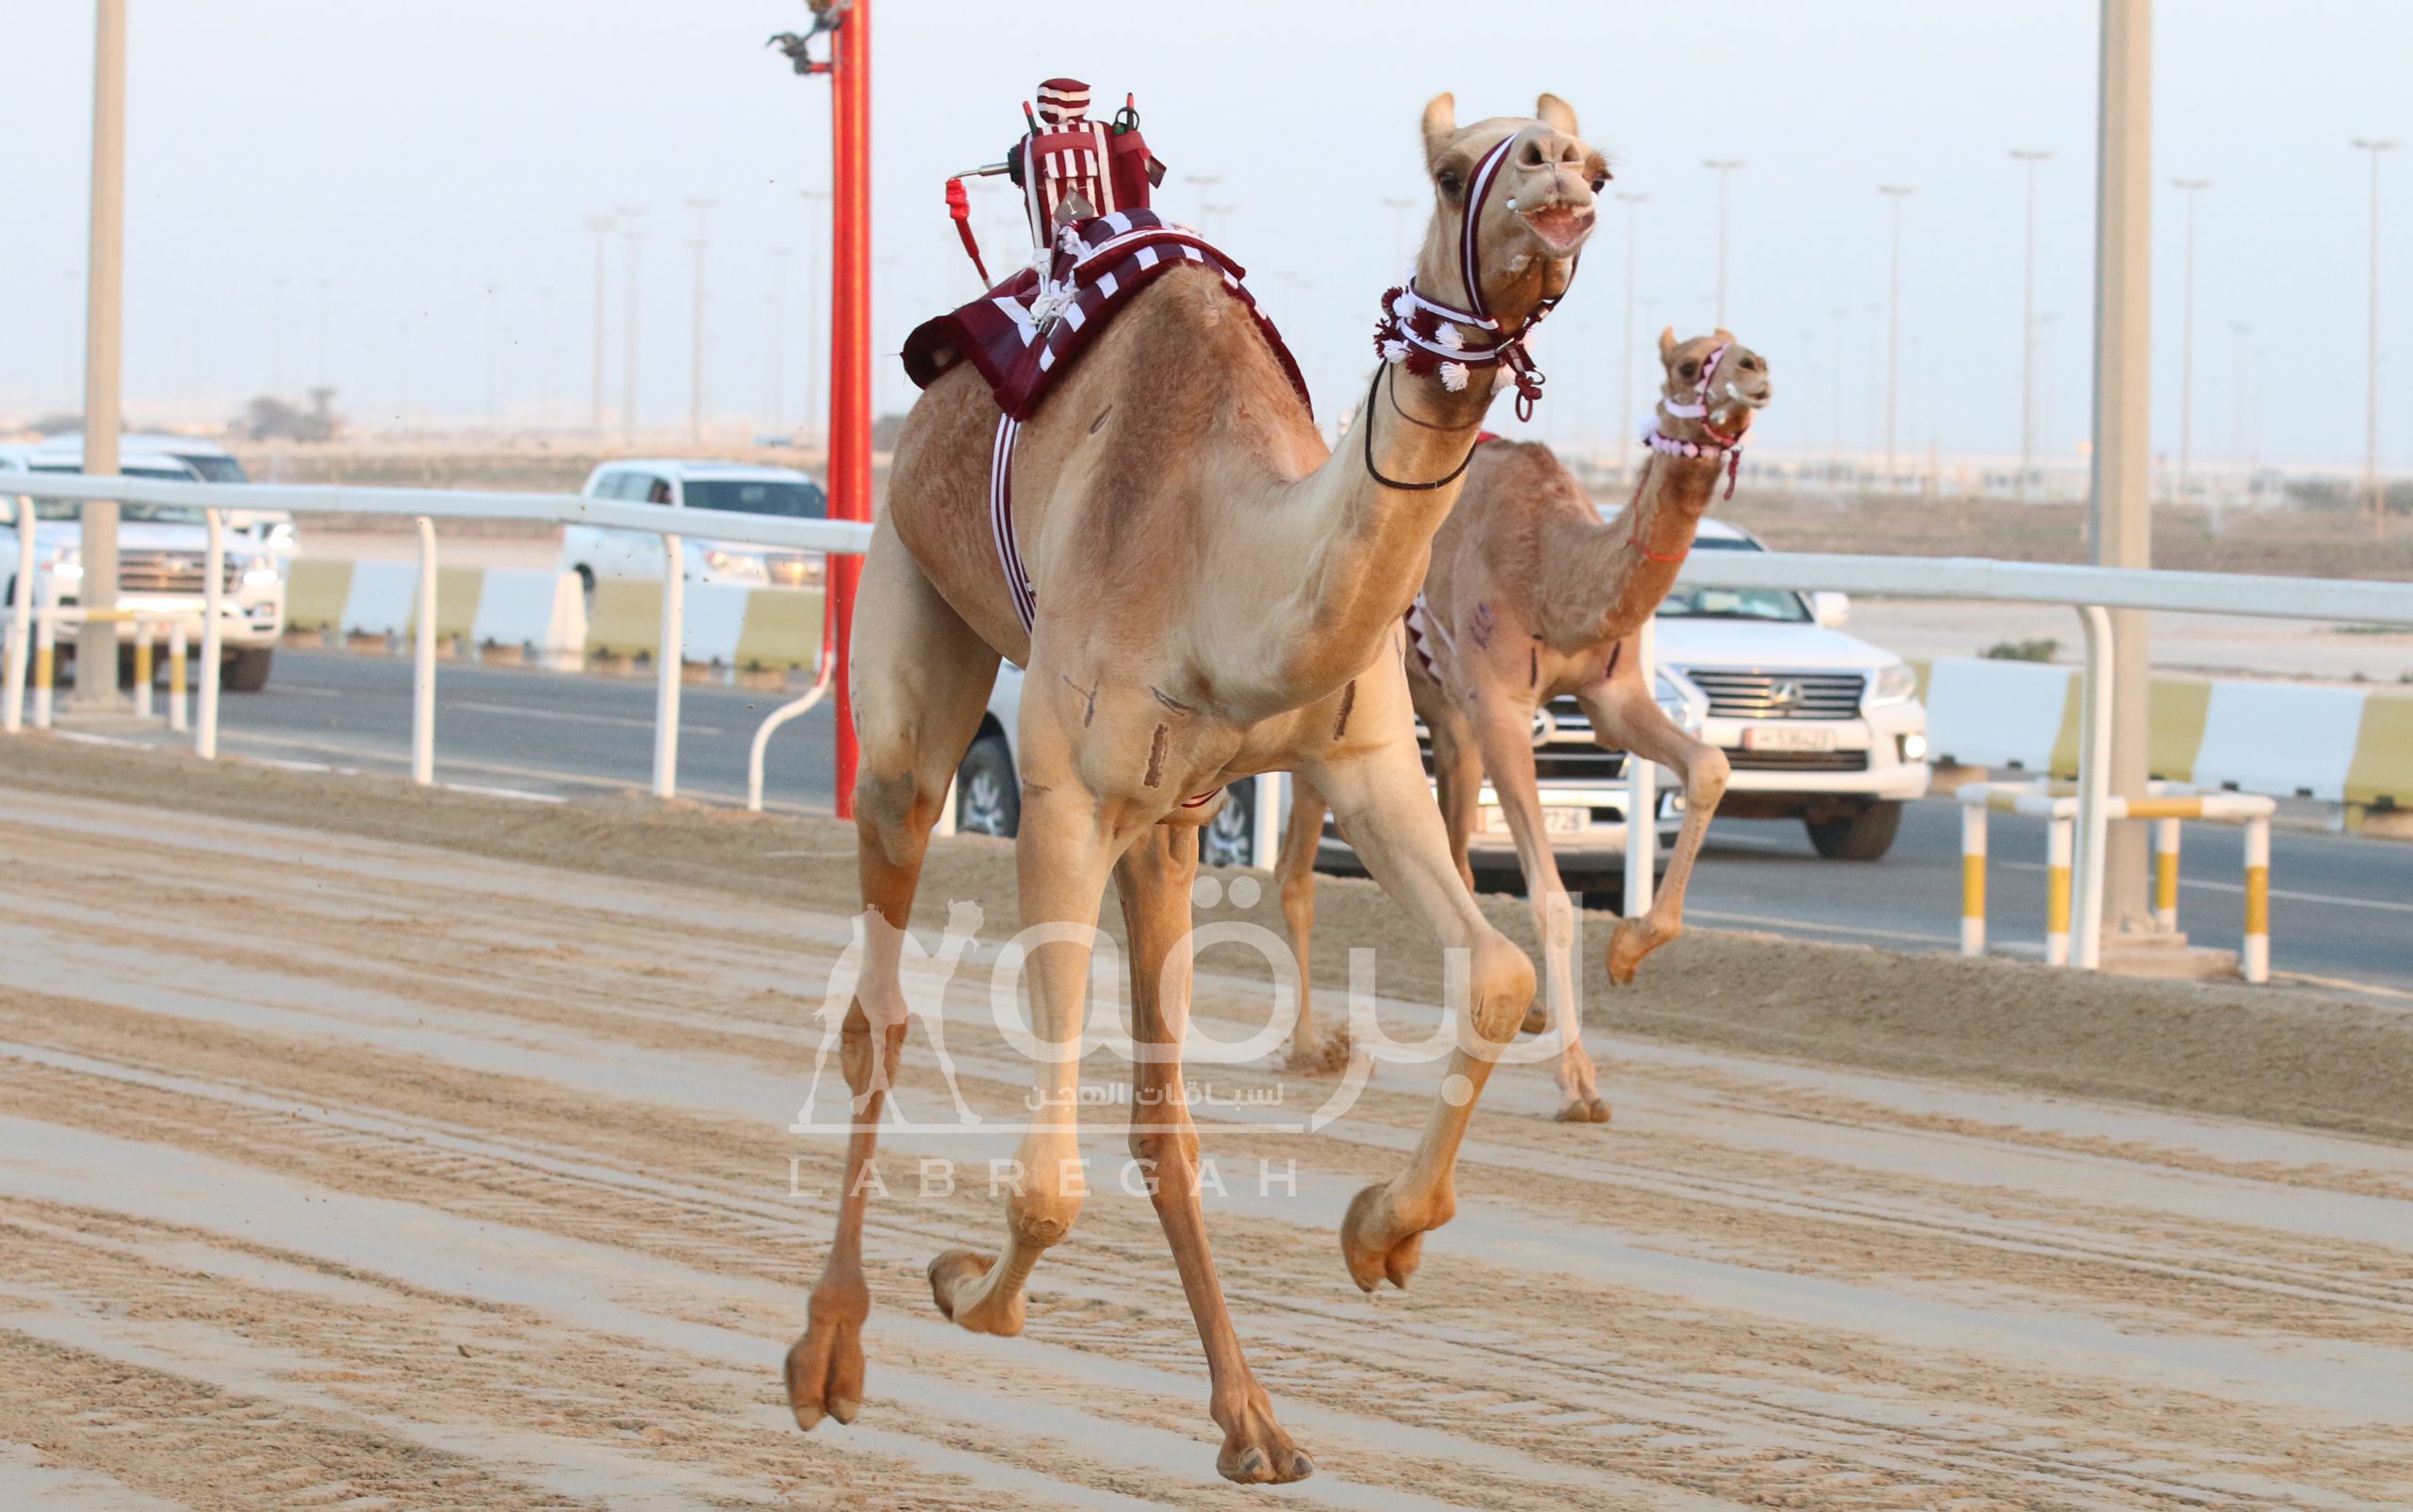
<point x="2342" y="908"/>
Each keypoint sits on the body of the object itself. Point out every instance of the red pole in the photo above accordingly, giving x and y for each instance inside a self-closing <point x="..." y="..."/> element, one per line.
<point x="849" y="350"/>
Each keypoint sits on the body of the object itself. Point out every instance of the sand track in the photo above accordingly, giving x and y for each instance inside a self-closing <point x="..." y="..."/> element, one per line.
<point x="416" y="1173"/>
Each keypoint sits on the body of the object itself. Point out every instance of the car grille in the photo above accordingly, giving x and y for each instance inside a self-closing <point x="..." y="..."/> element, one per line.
<point x="1780" y="695"/>
<point x="1565" y="755"/>
<point x="1798" y="761"/>
<point x="168" y="572"/>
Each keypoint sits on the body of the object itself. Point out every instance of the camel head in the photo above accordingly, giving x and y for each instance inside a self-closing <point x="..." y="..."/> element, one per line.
<point x="1716" y="405"/>
<point x="1533" y="220"/>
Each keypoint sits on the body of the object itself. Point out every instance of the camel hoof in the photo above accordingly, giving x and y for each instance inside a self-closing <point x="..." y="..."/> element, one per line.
<point x="1257" y="1452"/>
<point x="1325" y="1057"/>
<point x="1631" y="940"/>
<point x="825" y="1367"/>
<point x="1585" y="1110"/>
<point x="957" y="1278"/>
<point x="1377" y="1243"/>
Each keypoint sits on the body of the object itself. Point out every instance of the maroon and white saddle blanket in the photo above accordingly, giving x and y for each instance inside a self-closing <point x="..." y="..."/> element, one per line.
<point x="1028" y="331"/>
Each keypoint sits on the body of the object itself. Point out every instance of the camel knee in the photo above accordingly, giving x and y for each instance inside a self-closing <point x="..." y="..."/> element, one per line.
<point x="1705" y="784"/>
<point x="1164" y="1151"/>
<point x="1046" y="1202"/>
<point x="1502" y="981"/>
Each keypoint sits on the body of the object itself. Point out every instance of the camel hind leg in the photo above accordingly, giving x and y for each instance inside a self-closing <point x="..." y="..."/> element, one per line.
<point x="1294" y="870"/>
<point x="920" y="679"/>
<point x="1154" y="879"/>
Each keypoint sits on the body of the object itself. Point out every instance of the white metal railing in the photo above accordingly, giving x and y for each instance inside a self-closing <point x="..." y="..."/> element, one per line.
<point x="2092" y="591"/>
<point x="2089" y="591"/>
<point x="425" y="506"/>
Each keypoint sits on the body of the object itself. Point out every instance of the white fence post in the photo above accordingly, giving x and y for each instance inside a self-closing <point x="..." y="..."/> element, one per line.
<point x="1265" y="819"/>
<point x="2254" y="959"/>
<point x="2056" y="891"/>
<point x="21" y="616"/>
<point x="213" y="602"/>
<point x="1642" y="791"/>
<point x="423" y="662"/>
<point x="179" y="652"/>
<point x="2094" y="786"/>
<point x="45" y="667"/>
<point x="1973" y="874"/>
<point x="670" y="663"/>
<point x="145" y="632"/>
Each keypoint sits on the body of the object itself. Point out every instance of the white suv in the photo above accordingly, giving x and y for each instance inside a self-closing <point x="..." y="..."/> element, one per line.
<point x="1817" y="725"/>
<point x="162" y="557"/>
<point x="596" y="552"/>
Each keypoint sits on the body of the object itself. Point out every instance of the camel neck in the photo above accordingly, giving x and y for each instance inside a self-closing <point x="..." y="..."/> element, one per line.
<point x="1603" y="580"/>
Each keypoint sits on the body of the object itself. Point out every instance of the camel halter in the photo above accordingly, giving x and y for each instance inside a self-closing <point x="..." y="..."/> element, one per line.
<point x="1431" y="339"/>
<point x="1666" y="445"/>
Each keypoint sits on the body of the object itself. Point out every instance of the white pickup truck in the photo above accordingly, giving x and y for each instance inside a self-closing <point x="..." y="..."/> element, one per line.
<point x="1817" y="725"/>
<point x="162" y="555"/>
<point x="597" y="552"/>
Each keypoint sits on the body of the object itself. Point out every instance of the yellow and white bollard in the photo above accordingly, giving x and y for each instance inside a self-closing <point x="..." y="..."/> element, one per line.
<point x="2165" y="873"/>
<point x="1973" y="878"/>
<point x="176" y="720"/>
<point x="2254" y="958"/>
<point x="2056" y="891"/>
<point x="144" y="629"/>
<point x="45" y="667"/>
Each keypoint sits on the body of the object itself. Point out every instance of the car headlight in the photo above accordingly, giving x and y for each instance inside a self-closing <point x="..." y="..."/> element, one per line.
<point x="261" y="575"/>
<point x="68" y="566"/>
<point x="1680" y="701"/>
<point x="1892" y="685"/>
<point x="280" y="536"/>
<point x="733" y="563"/>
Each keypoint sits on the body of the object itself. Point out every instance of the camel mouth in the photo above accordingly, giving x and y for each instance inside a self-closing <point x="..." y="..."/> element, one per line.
<point x="1561" y="227"/>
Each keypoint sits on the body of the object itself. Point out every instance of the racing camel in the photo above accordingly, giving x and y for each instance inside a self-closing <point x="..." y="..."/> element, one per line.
<point x="1530" y="596"/>
<point x="1217" y="594"/>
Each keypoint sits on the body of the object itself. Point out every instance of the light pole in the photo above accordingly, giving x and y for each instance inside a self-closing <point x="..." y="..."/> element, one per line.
<point x="1625" y="349"/>
<point x="2030" y="156"/>
<point x="696" y="338"/>
<point x="276" y="333"/>
<point x="494" y="359"/>
<point x="1897" y="193"/>
<point x="805" y="345"/>
<point x="1723" y="168"/>
<point x="2241" y="335"/>
<point x="544" y="353"/>
<point x="96" y="685"/>
<point x="779" y="336"/>
<point x="1835" y="464"/>
<point x="2370" y="372"/>
<point x="631" y="239"/>
<point x="602" y="226"/>
<point x="322" y="286"/>
<point x="1399" y="210"/>
<point x="2045" y="384"/>
<point x="1205" y="184"/>
<point x="2189" y="187"/>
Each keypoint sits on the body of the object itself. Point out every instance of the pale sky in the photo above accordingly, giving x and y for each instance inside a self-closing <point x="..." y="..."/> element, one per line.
<point x="414" y="156"/>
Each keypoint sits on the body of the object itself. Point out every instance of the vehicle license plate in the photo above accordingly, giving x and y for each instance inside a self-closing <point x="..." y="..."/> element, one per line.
<point x="1555" y="821"/>
<point x="1781" y="737"/>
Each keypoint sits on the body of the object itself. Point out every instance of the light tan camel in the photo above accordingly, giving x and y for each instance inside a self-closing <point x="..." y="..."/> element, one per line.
<point x="1530" y="596"/>
<point x="1218" y="596"/>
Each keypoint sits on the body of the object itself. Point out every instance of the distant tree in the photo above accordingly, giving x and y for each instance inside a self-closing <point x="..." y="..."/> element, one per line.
<point x="884" y="432"/>
<point x="59" y="425"/>
<point x="268" y="418"/>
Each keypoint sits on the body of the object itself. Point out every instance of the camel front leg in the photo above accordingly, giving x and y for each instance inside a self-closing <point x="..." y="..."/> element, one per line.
<point x="1458" y="779"/>
<point x="1626" y="716"/>
<point x="1505" y="730"/>
<point x="921" y="679"/>
<point x="1384" y="810"/>
<point x="1310" y="1053"/>
<point x="1061" y="857"/>
<point x="1154" y="879"/>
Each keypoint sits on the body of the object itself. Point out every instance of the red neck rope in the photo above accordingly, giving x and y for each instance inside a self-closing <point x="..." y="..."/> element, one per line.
<point x="1432" y="340"/>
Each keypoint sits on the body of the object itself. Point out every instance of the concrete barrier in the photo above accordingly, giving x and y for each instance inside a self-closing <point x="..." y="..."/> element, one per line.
<point x="545" y="613"/>
<point x="2344" y="745"/>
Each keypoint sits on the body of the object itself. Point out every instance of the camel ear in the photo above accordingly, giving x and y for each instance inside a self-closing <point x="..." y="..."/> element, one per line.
<point x="1667" y="344"/>
<point x="1725" y="336"/>
<point x="1440" y="124"/>
<point x="1557" y="114"/>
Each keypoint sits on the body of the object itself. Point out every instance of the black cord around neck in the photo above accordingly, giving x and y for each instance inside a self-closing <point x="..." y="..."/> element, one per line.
<point x="1375" y="473"/>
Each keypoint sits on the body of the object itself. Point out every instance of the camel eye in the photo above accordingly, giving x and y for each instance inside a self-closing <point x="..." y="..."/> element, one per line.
<point x="1690" y="370"/>
<point x="1599" y="182"/>
<point x="1449" y="183"/>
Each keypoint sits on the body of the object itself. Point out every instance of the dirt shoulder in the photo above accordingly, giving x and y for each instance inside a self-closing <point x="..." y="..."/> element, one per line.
<point x="2279" y="1054"/>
